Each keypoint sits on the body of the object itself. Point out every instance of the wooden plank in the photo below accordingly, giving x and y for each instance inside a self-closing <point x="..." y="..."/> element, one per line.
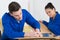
<point x="36" y="38"/>
<point x="1" y="28"/>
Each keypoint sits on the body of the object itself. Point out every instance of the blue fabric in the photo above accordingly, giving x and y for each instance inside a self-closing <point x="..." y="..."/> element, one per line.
<point x="54" y="24"/>
<point x="13" y="29"/>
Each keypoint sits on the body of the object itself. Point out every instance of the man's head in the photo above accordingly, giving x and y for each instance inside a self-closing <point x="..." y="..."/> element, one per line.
<point x="15" y="10"/>
<point x="50" y="10"/>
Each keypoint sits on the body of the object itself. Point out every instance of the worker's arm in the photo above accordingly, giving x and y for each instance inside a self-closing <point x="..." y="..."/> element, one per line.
<point x="45" y="23"/>
<point x="31" y="21"/>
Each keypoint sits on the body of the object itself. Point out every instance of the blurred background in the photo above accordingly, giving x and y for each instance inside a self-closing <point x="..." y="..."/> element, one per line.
<point x="35" y="7"/>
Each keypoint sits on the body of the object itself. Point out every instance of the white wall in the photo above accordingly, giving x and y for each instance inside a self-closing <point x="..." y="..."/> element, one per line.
<point x="36" y="7"/>
<point x="38" y="11"/>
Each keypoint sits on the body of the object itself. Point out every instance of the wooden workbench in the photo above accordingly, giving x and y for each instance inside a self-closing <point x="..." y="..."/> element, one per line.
<point x="37" y="38"/>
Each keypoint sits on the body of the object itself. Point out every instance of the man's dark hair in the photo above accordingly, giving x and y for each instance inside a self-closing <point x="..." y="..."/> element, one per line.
<point x="13" y="6"/>
<point x="49" y="5"/>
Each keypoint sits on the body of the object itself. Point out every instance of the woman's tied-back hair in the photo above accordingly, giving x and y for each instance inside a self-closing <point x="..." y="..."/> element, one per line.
<point x="49" y="5"/>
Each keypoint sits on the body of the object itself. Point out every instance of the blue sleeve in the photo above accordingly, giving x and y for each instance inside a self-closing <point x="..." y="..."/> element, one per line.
<point x="9" y="31"/>
<point x="45" y="23"/>
<point x="31" y="21"/>
<point x="55" y="29"/>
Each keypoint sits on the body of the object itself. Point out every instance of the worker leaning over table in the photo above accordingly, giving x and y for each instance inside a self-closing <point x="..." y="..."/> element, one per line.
<point x="13" y="23"/>
<point x="54" y="19"/>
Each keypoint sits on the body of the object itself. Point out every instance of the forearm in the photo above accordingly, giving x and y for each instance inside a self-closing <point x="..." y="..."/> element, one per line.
<point x="45" y="23"/>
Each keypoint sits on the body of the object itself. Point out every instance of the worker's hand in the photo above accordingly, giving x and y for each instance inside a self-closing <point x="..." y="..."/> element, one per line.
<point x="31" y="34"/>
<point x="40" y="21"/>
<point x="37" y="32"/>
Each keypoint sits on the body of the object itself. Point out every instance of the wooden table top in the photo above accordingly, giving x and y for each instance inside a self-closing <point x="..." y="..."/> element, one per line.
<point x="58" y="38"/>
<point x="37" y="38"/>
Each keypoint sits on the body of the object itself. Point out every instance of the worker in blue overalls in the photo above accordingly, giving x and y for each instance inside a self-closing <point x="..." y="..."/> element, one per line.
<point x="13" y="23"/>
<point x="54" y="21"/>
